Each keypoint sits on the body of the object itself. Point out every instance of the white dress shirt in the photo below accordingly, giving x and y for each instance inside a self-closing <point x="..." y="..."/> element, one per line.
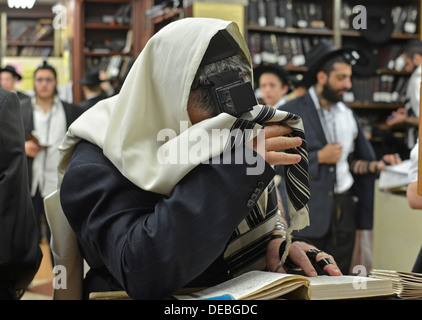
<point x="339" y="126"/>
<point x="49" y="129"/>
<point x="414" y="156"/>
<point x="412" y="103"/>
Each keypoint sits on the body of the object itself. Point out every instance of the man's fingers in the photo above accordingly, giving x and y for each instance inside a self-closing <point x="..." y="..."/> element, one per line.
<point x="276" y="130"/>
<point x="281" y="158"/>
<point x="282" y="143"/>
<point x="328" y="264"/>
<point x="271" y="140"/>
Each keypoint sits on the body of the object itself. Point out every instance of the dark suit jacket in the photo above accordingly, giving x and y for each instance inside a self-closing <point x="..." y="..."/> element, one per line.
<point x="20" y="254"/>
<point x="22" y="96"/>
<point x="72" y="112"/>
<point x="152" y="244"/>
<point x="86" y="104"/>
<point x="321" y="176"/>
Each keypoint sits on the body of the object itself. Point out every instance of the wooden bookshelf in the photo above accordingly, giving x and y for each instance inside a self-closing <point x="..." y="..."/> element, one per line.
<point x="90" y="27"/>
<point x="104" y="29"/>
<point x="29" y="33"/>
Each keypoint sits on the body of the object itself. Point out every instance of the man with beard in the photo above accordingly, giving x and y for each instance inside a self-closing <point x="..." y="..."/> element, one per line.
<point x="342" y="162"/>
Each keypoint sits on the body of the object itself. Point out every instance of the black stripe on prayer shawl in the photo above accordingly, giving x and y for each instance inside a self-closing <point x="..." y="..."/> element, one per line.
<point x="238" y="132"/>
<point x="249" y="255"/>
<point x="253" y="250"/>
<point x="256" y="216"/>
<point x="297" y="177"/>
<point x="264" y="115"/>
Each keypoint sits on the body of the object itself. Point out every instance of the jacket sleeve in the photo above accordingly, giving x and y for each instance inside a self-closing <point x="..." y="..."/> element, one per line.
<point x="14" y="192"/>
<point x="154" y="245"/>
<point x="363" y="186"/>
<point x="19" y="237"/>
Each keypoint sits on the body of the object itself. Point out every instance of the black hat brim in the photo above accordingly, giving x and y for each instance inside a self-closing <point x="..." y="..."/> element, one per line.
<point x="380" y="26"/>
<point x="367" y="63"/>
<point x="15" y="74"/>
<point x="309" y="77"/>
<point x="89" y="83"/>
<point x="282" y="74"/>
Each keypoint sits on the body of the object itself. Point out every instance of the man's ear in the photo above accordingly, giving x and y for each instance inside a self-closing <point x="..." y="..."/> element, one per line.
<point x="417" y="59"/>
<point x="322" y="77"/>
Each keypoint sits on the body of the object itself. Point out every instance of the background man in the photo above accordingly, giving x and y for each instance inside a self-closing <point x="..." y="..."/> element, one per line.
<point x="336" y="147"/>
<point x="273" y="84"/>
<point x="91" y="87"/>
<point x="46" y="119"/>
<point x="409" y="115"/>
<point x="8" y="79"/>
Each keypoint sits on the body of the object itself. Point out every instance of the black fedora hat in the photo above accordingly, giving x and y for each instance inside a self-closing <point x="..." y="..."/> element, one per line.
<point x="275" y="69"/>
<point x="317" y="56"/>
<point x="91" y="78"/>
<point x="365" y="60"/>
<point x="379" y="27"/>
<point x="12" y="70"/>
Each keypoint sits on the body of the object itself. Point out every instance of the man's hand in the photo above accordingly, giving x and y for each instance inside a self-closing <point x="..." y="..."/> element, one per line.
<point x="31" y="148"/>
<point x="396" y="117"/>
<point x="273" y="138"/>
<point x="297" y="254"/>
<point x="330" y="154"/>
<point x="387" y="159"/>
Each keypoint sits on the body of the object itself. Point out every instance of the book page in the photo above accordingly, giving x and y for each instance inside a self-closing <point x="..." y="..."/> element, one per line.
<point x="395" y="176"/>
<point x="407" y="285"/>
<point x="347" y="287"/>
<point x="247" y="284"/>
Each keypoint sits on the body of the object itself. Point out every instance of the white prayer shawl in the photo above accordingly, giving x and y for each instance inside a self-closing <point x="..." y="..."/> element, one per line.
<point x="153" y="97"/>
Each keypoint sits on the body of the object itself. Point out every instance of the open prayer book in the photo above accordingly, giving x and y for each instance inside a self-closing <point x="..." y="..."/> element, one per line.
<point x="261" y="285"/>
<point x="395" y="176"/>
<point x="407" y="285"/>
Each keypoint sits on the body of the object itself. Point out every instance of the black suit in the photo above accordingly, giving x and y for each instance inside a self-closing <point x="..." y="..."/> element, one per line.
<point x="333" y="218"/>
<point x="153" y="245"/>
<point x="20" y="254"/>
<point x="22" y="96"/>
<point x="321" y="176"/>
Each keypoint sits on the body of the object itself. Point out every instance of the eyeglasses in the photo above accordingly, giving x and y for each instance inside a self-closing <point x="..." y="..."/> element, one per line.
<point x="48" y="80"/>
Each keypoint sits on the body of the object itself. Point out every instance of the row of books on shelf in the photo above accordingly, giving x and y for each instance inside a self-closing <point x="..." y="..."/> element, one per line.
<point x="286" y="14"/>
<point x="391" y="58"/>
<point x="30" y="31"/>
<point x="310" y="15"/>
<point x="29" y="51"/>
<point x="404" y="18"/>
<point x="284" y="50"/>
<point x="123" y="15"/>
<point x="105" y="46"/>
<point x="383" y="89"/>
<point x="114" y="67"/>
<point x="291" y="50"/>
